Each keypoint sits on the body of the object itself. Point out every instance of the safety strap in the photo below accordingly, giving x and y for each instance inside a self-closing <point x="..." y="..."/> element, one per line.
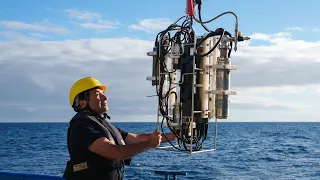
<point x="112" y="132"/>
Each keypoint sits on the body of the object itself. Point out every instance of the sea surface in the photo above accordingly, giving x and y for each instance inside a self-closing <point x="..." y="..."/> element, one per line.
<point x="244" y="151"/>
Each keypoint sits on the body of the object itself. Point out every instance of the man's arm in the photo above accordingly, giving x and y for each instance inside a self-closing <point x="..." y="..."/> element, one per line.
<point x="136" y="138"/>
<point x="105" y="148"/>
<point x="86" y="135"/>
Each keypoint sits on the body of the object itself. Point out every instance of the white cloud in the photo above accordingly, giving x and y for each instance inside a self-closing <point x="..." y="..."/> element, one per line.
<point x="73" y="52"/>
<point x="282" y="51"/>
<point x="90" y="20"/>
<point x="282" y="89"/>
<point x="100" y="24"/>
<point x="82" y="15"/>
<point x="16" y="36"/>
<point x="12" y="35"/>
<point x="303" y="29"/>
<point x="295" y="29"/>
<point x="44" y="26"/>
<point x="316" y="29"/>
<point x="260" y="36"/>
<point x="38" y="35"/>
<point x="272" y="97"/>
<point x="273" y="38"/>
<point x="262" y="101"/>
<point x="149" y="25"/>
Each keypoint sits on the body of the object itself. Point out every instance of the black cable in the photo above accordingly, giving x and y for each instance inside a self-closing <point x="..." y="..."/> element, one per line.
<point x="184" y="35"/>
<point x="199" y="12"/>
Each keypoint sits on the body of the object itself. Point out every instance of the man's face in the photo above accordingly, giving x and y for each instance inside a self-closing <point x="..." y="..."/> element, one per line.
<point x="98" y="101"/>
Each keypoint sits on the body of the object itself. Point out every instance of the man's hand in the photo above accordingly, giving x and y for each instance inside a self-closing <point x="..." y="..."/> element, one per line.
<point x="155" y="139"/>
<point x="168" y="137"/>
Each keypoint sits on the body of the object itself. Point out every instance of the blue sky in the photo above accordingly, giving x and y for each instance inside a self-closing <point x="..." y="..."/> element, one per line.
<point x="46" y="45"/>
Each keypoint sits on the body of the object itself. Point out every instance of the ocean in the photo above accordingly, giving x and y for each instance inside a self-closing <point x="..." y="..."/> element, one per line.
<point x="278" y="150"/>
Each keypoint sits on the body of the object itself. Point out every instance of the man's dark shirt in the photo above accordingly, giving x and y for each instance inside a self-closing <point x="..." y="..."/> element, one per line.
<point x="82" y="135"/>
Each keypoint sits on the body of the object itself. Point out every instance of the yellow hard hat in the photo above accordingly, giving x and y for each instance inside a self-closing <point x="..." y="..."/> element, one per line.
<point x="83" y="85"/>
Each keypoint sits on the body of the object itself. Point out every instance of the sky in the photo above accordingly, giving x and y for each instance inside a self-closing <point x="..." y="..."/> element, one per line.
<point x="45" y="46"/>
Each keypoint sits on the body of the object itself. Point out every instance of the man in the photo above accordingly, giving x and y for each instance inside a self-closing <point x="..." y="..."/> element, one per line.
<point x="98" y="150"/>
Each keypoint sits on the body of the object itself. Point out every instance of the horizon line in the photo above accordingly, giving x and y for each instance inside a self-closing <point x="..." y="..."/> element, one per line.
<point x="160" y="122"/>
